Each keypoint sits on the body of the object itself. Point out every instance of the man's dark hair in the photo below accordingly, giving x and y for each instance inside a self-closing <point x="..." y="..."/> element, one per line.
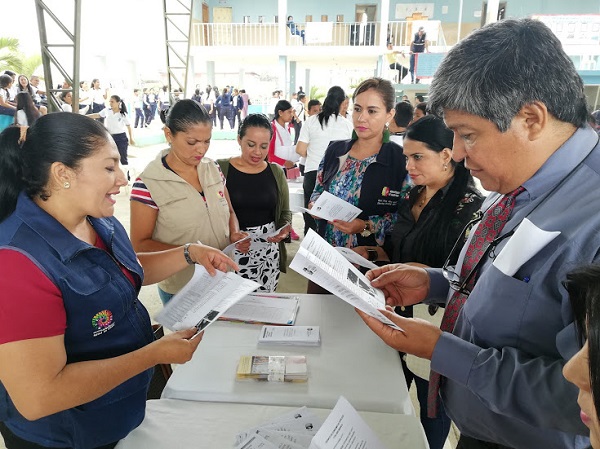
<point x="504" y="66"/>
<point x="312" y="103"/>
<point x="404" y="114"/>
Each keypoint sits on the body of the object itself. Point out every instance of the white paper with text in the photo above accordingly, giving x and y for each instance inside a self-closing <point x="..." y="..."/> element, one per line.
<point x="355" y="258"/>
<point x="203" y="299"/>
<point x="318" y="261"/>
<point x="345" y="429"/>
<point x="329" y="207"/>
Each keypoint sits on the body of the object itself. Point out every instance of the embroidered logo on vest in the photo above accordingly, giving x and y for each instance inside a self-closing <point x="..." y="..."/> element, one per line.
<point x="102" y="322"/>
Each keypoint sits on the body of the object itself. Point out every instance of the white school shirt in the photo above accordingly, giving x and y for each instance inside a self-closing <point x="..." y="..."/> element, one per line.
<point x="337" y="128"/>
<point x="22" y="118"/>
<point x="116" y="123"/>
<point x="97" y="95"/>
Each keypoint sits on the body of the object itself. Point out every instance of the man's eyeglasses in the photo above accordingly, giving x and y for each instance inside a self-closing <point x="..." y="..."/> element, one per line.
<point x="454" y="278"/>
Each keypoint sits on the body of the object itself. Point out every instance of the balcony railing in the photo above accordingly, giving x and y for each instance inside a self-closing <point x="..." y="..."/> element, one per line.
<point x="316" y="34"/>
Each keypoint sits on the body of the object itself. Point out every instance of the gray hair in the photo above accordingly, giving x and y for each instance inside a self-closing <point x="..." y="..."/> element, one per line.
<point x="504" y="66"/>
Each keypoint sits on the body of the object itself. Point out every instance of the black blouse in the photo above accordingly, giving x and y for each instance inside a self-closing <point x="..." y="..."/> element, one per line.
<point x="253" y="196"/>
<point x="400" y="244"/>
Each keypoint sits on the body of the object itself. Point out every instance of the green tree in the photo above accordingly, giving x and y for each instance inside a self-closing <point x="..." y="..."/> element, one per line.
<point x="31" y="65"/>
<point x="316" y="93"/>
<point x="10" y="59"/>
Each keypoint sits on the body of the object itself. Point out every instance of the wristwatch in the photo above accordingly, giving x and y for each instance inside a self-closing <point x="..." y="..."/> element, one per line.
<point x="372" y="255"/>
<point x="186" y="254"/>
<point x="367" y="230"/>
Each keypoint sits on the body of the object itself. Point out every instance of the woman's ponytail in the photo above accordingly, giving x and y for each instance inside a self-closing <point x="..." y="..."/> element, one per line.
<point x="11" y="170"/>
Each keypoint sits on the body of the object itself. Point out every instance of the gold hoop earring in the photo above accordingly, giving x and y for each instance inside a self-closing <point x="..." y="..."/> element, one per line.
<point x="67" y="184"/>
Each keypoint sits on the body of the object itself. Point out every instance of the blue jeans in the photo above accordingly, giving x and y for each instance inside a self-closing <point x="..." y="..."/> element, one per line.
<point x="436" y="429"/>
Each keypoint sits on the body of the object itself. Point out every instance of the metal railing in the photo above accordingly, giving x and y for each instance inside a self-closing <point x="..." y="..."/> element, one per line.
<point x="316" y="34"/>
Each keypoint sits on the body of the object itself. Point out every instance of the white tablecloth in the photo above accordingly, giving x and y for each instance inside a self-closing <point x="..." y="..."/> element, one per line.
<point x="351" y="361"/>
<point x="172" y="424"/>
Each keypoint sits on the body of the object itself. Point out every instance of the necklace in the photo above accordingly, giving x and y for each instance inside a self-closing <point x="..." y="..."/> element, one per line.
<point x="424" y="200"/>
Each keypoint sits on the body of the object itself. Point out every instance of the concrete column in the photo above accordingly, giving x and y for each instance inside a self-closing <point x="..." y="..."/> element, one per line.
<point x="379" y="68"/>
<point x="190" y="87"/>
<point x="282" y="25"/>
<point x="307" y="82"/>
<point x="384" y="19"/>
<point x="460" y="14"/>
<point x="292" y="85"/>
<point x="210" y="73"/>
<point x="283" y="73"/>
<point x="492" y="11"/>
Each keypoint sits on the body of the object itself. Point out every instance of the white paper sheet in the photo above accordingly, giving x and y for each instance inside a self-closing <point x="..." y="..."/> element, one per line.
<point x="329" y="207"/>
<point x="255" y="442"/>
<point x="296" y="422"/>
<point x="318" y="261"/>
<point x="525" y="243"/>
<point x="229" y="249"/>
<point x="257" y="240"/>
<point x="264" y="308"/>
<point x="292" y="335"/>
<point x="345" y="429"/>
<point x="354" y="257"/>
<point x="203" y="299"/>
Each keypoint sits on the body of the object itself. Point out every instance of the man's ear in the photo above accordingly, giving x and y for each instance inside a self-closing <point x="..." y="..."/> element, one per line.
<point x="534" y="117"/>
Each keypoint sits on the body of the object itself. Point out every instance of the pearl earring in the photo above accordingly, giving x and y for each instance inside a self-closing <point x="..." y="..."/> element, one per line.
<point x="67" y="185"/>
<point x="445" y="167"/>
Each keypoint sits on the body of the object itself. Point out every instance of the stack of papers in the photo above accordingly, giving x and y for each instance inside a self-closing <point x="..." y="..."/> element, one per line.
<point x="302" y="429"/>
<point x="290" y="336"/>
<point x="268" y="308"/>
<point x="273" y="368"/>
<point x="293" y="430"/>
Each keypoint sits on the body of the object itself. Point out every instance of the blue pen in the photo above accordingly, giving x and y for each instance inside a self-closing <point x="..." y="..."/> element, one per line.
<point x="526" y="279"/>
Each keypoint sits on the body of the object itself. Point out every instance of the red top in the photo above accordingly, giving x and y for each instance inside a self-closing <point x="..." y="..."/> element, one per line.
<point x="271" y="155"/>
<point x="31" y="306"/>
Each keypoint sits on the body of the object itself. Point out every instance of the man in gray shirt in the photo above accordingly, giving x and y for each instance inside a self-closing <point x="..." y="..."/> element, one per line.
<point x="519" y="116"/>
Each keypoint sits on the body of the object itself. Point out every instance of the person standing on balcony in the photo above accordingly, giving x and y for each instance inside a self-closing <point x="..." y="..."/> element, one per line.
<point x="294" y="28"/>
<point x="418" y="45"/>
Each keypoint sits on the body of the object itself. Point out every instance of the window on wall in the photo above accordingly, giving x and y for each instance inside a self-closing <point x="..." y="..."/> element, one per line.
<point x="339" y="18"/>
<point x="308" y="18"/>
<point x="324" y="18"/>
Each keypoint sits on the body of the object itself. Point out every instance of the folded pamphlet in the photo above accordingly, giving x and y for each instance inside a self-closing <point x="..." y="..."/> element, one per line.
<point x="290" y="336"/>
